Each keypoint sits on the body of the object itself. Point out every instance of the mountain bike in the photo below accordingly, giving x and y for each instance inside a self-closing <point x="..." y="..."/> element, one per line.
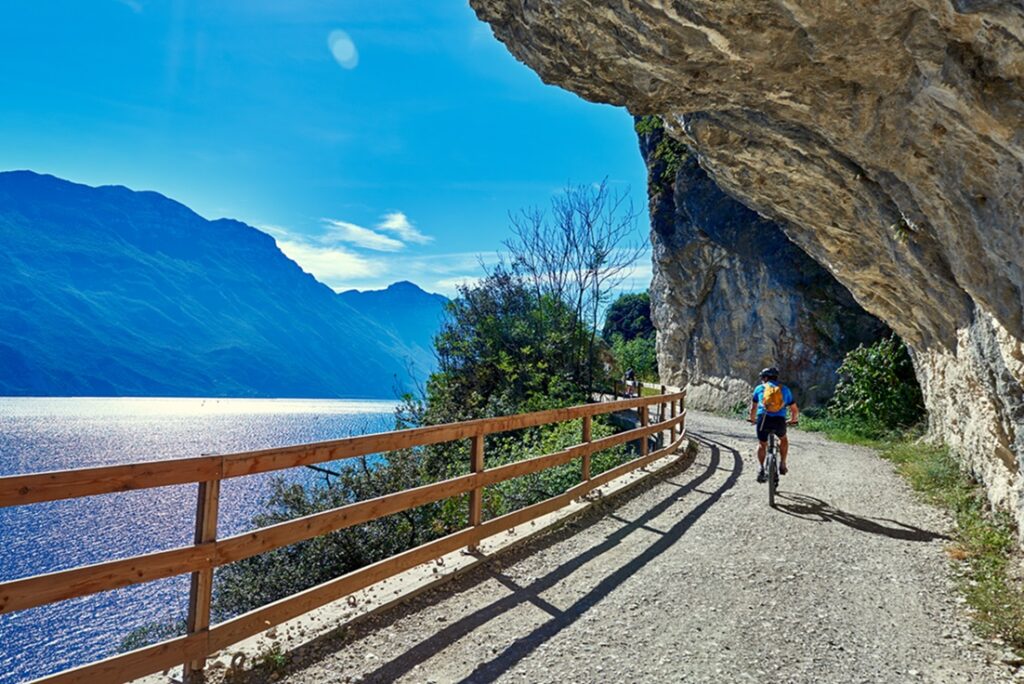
<point x="771" y="463"/>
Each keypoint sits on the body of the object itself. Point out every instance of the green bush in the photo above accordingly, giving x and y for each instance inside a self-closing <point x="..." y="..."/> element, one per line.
<point x="877" y="389"/>
<point x="151" y="633"/>
<point x="261" y="579"/>
<point x="667" y="150"/>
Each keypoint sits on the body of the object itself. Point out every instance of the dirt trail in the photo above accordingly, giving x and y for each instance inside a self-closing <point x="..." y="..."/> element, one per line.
<point x="695" y="579"/>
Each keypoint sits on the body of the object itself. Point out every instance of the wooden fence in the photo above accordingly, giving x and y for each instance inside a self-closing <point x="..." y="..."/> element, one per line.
<point x="208" y="552"/>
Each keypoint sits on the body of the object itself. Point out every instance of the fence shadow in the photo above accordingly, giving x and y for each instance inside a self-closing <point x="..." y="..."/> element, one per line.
<point x="816" y="510"/>
<point x="531" y="593"/>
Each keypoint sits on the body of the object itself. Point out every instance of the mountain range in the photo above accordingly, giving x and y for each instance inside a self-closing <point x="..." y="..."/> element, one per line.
<point x="105" y="291"/>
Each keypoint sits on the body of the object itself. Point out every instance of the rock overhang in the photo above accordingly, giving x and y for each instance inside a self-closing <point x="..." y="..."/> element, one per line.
<point x="889" y="138"/>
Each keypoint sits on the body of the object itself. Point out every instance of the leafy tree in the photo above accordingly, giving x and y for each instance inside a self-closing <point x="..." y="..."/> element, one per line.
<point x="503" y="348"/>
<point x="629" y="317"/>
<point x="638" y="354"/>
<point x="577" y="254"/>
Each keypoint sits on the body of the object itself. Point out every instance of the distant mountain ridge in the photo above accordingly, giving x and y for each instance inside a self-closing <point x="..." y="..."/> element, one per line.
<point x="410" y="313"/>
<point x="108" y="291"/>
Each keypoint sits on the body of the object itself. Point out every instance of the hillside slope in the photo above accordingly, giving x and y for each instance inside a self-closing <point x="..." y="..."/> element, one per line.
<point x="409" y="313"/>
<point x="106" y="291"/>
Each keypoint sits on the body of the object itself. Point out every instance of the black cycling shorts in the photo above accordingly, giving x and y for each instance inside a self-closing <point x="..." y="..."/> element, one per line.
<point x="766" y="424"/>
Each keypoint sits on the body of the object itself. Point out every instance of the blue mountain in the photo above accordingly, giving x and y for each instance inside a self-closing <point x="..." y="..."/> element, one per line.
<point x="107" y="291"/>
<point x="412" y="315"/>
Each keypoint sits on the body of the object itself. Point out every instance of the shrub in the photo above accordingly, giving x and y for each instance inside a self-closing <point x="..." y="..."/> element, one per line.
<point x="877" y="388"/>
<point x="151" y="633"/>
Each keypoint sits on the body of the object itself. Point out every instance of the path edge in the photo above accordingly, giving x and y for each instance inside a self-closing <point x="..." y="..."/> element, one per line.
<point x="247" y="656"/>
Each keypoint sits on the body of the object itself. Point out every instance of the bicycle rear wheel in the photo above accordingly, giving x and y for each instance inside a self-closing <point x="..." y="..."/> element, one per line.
<point x="773" y="469"/>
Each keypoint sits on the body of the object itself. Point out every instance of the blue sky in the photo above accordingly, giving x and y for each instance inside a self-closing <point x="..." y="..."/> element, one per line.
<point x="377" y="140"/>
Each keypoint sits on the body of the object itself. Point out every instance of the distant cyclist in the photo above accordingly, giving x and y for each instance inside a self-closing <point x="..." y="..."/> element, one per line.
<point x="768" y="413"/>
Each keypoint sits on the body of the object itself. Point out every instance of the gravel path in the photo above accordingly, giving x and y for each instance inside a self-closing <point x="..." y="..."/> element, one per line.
<point x="695" y="579"/>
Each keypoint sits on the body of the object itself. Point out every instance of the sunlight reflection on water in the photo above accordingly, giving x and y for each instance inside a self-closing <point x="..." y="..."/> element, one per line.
<point x="40" y="434"/>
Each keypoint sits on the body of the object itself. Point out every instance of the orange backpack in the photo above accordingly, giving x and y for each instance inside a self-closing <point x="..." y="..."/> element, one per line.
<point x="772" y="398"/>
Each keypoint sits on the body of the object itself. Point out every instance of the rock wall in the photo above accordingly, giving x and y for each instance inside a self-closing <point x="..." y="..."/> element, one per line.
<point x="731" y="294"/>
<point x="889" y="136"/>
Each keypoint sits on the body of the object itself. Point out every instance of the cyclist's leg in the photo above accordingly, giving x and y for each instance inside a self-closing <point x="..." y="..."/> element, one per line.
<point x="783" y="446"/>
<point x="762" y="447"/>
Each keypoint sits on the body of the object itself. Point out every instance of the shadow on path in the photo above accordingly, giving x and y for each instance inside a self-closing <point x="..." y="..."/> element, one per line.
<point x="816" y="510"/>
<point x="531" y="593"/>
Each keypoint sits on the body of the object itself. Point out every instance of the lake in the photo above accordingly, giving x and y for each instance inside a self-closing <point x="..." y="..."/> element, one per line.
<point x="40" y="434"/>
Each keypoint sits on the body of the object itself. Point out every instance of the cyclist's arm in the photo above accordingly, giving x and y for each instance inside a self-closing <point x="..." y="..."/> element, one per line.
<point x="753" y="411"/>
<point x="794" y="412"/>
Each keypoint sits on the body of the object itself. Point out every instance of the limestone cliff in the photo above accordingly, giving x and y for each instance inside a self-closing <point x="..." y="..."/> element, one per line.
<point x="731" y="294"/>
<point x="889" y="136"/>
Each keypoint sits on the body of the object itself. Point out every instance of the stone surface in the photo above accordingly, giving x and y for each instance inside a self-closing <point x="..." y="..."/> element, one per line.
<point x="731" y="294"/>
<point x="888" y="135"/>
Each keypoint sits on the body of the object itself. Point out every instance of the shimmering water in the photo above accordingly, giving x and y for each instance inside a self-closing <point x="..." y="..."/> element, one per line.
<point x="39" y="434"/>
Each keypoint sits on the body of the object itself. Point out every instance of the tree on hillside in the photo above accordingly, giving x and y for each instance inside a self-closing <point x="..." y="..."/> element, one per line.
<point x="630" y="331"/>
<point x="629" y="316"/>
<point x="577" y="254"/>
<point x="504" y="348"/>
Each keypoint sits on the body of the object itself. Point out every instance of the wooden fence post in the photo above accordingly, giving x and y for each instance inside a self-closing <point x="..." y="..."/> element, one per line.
<point x="661" y="419"/>
<point x="644" y="422"/>
<point x="673" y="414"/>
<point x="201" y="590"/>
<point x="476" y="497"/>
<point x="587" y="430"/>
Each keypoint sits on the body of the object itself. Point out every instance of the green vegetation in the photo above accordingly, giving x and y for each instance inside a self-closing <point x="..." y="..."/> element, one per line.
<point x="877" y="390"/>
<point x="629" y="330"/>
<point x="272" y="660"/>
<point x="629" y="317"/>
<point x="525" y="338"/>
<point x="151" y="633"/>
<point x="505" y="348"/>
<point x="638" y="354"/>
<point x="668" y="150"/>
<point x="878" y="404"/>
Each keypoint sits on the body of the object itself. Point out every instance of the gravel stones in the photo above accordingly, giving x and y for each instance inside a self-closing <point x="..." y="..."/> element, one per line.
<point x="847" y="581"/>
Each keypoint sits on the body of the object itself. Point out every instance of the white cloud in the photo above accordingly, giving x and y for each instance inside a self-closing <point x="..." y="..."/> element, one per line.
<point x="450" y="286"/>
<point x="398" y="223"/>
<point x="329" y="259"/>
<point x="343" y="48"/>
<point x="343" y="231"/>
<point x="333" y="266"/>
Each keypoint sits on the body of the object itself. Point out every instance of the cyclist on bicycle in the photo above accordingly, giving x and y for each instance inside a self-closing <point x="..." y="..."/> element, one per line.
<point x="768" y="413"/>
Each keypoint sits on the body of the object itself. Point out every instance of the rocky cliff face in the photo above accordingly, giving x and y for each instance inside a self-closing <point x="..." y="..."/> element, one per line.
<point x="731" y="294"/>
<point x="888" y="136"/>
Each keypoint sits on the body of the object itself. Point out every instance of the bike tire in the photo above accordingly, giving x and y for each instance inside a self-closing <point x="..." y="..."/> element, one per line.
<point x="773" y="470"/>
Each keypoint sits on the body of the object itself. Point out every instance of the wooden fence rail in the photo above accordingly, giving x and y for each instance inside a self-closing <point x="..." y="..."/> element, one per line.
<point x="208" y="552"/>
